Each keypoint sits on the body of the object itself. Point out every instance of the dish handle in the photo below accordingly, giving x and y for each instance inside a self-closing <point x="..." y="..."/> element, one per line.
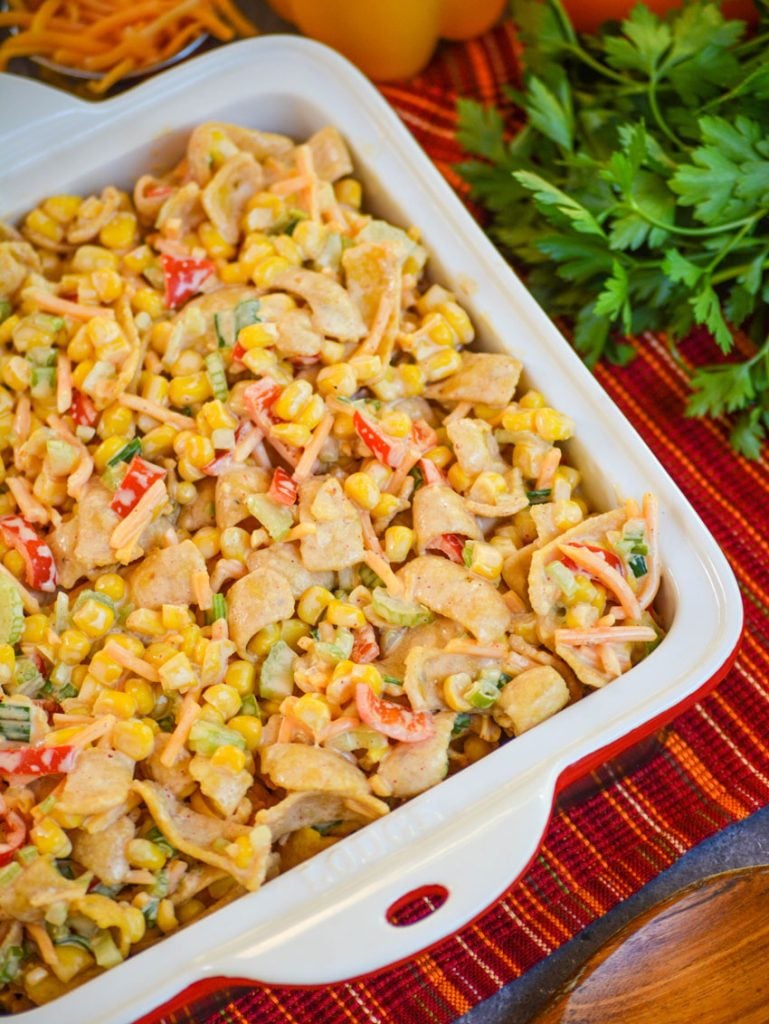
<point x="33" y="103"/>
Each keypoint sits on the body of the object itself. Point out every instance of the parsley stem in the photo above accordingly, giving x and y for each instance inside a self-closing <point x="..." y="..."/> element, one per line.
<point x="596" y="65"/>
<point x="714" y="229"/>
<point x="722" y="253"/>
<point x="664" y="127"/>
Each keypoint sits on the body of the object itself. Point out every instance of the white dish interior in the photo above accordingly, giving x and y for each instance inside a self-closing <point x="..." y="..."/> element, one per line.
<point x="476" y="832"/>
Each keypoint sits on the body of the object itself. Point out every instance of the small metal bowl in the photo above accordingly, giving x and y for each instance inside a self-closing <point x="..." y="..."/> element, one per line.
<point x="85" y="75"/>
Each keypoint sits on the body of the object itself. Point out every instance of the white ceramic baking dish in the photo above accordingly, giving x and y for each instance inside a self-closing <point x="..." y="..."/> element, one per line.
<point x="475" y="833"/>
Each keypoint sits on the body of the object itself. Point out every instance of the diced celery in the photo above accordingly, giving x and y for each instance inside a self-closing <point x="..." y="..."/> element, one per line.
<point x="5" y="309"/>
<point x="223" y="329"/>
<point x="27" y="679"/>
<point x="16" y="721"/>
<point x="104" y="949"/>
<point x="397" y="611"/>
<point x="339" y="650"/>
<point x="206" y="737"/>
<point x="563" y="577"/>
<point x="467" y="553"/>
<point x="42" y="384"/>
<point x="61" y="612"/>
<point x="246" y="313"/>
<point x="11" y="612"/>
<point x="249" y="706"/>
<point x="369" y="578"/>
<point x="276" y="679"/>
<point x="217" y="377"/>
<point x="61" y="456"/>
<point x="8" y="873"/>
<point x="27" y="854"/>
<point x="11" y="959"/>
<point x="276" y="519"/>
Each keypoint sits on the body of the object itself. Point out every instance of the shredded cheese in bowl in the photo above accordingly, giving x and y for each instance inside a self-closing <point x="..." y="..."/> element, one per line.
<point x="278" y="550"/>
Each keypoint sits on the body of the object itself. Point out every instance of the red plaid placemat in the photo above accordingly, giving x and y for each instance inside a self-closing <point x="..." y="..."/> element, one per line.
<point x="711" y="769"/>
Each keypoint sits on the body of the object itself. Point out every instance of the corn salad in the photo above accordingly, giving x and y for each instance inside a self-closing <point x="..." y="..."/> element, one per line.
<point x="278" y="549"/>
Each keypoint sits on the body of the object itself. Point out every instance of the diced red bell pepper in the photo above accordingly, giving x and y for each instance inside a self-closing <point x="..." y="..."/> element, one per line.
<point x="449" y="544"/>
<point x="431" y="474"/>
<point x="364" y="646"/>
<point x="238" y="351"/>
<point x="184" y="278"/>
<point x="39" y="563"/>
<point x="15" y="833"/>
<point x="38" y="760"/>
<point x="259" y="398"/>
<point x="608" y="556"/>
<point x="391" y="719"/>
<point x="83" y="411"/>
<point x="283" y="489"/>
<point x="140" y="477"/>
<point x="386" y="449"/>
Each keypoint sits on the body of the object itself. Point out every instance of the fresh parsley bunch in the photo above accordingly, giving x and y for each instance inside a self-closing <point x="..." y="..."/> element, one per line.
<point x="637" y="195"/>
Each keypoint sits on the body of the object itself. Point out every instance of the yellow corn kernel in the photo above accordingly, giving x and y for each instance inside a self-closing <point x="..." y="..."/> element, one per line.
<point x="134" y="739"/>
<point x="344" y="425"/>
<point x="235" y="543"/>
<point x="528" y="459"/>
<point x="349" y="191"/>
<point x="342" y="613"/>
<point x="249" y="727"/>
<point x="432" y="298"/>
<point x="65" y="819"/>
<point x="458" y="478"/>
<point x="486" y="560"/>
<point x="362" y="489"/>
<point x="146" y="622"/>
<point x="441" y="455"/>
<point x="387" y="505"/>
<point x="7" y="663"/>
<point x="111" y="585"/>
<point x="268" y="269"/>
<point x="552" y="425"/>
<point x="189" y="389"/>
<point x="200" y="451"/>
<point x="286" y="247"/>
<point x="261" y="362"/>
<point x="177" y="672"/>
<point x="80" y="348"/>
<point x="105" y="669"/>
<point x="264" y="639"/>
<point x="142" y="693"/>
<point x="366" y="368"/>
<point x="312" y="604"/>
<point x="74" y="646"/>
<point x="438" y="329"/>
<point x="41" y="224"/>
<point x="17" y="373"/>
<point x="166" y="917"/>
<point x="398" y="543"/>
<point x="271" y="206"/>
<point x="208" y="541"/>
<point x="454" y="688"/>
<point x="119" y="232"/>
<point x="49" y="837"/>
<point x="8" y="326"/>
<point x="235" y="273"/>
<point x="62" y="207"/>
<point x="158" y="441"/>
<point x="488" y="486"/>
<point x="107" y="284"/>
<point x="138" y="259"/>
<point x="312" y="413"/>
<point x="292" y="631"/>
<point x="160" y="336"/>
<point x="396" y="424"/>
<point x="108" y="449"/>
<point x="331" y="352"/>
<point x="441" y="365"/>
<point x="294" y="434"/>
<point x="35" y="629"/>
<point x="94" y="618"/>
<point x="115" y="420"/>
<point x="566" y="514"/>
<point x="213" y="242"/>
<point x="189" y="361"/>
<point x="231" y="758"/>
<point x="458" y="320"/>
<point x="338" y="380"/>
<point x="143" y="853"/>
<point x="175" y="616"/>
<point x="313" y="710"/>
<point x="14" y="563"/>
<point x="189" y="910"/>
<point x="518" y="418"/>
<point x="292" y="399"/>
<point x="532" y="400"/>
<point x="241" y="851"/>
<point x="218" y="417"/>
<point x="224" y="698"/>
<point x="115" y="702"/>
<point x="241" y="676"/>
<point x="368" y="674"/>
<point x="412" y="378"/>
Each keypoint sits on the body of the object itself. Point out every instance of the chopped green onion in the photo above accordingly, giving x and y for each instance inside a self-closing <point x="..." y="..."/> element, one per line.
<point x="42" y="383"/>
<point x="222" y="340"/>
<point x="417" y="476"/>
<point x="323" y="828"/>
<point x="483" y="693"/>
<point x="218" y="607"/>
<point x="126" y="453"/>
<point x="47" y="805"/>
<point x="156" y="836"/>
<point x="392" y="680"/>
<point x="369" y="578"/>
<point x="10" y="963"/>
<point x="5" y="309"/>
<point x="217" y="377"/>
<point x="539" y="497"/>
<point x="27" y="679"/>
<point x="73" y="939"/>
<point x="16" y="721"/>
<point x="467" y="553"/>
<point x="638" y="566"/>
<point x="461" y="724"/>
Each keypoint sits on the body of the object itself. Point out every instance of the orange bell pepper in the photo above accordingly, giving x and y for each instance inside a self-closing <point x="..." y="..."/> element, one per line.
<point x="389" y="38"/>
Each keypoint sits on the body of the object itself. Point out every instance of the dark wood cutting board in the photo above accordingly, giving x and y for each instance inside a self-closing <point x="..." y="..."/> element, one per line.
<point x="700" y="957"/>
